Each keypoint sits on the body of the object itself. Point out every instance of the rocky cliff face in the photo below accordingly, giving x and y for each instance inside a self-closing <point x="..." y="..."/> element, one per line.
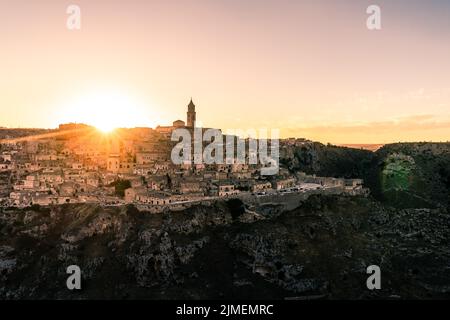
<point x="226" y="250"/>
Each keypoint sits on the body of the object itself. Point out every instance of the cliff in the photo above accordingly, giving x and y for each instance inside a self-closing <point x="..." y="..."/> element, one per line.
<point x="226" y="250"/>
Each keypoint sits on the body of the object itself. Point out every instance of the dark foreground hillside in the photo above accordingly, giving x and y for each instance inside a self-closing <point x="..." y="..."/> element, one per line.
<point x="320" y="249"/>
<point x="403" y="175"/>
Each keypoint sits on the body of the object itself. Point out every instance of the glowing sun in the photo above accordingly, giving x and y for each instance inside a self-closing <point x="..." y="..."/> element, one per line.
<point x="107" y="111"/>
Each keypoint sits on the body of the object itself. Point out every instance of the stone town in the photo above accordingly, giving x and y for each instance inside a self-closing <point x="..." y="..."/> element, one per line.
<point x="77" y="164"/>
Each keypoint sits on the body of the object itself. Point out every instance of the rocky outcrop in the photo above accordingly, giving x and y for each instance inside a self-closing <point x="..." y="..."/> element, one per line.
<point x="320" y="249"/>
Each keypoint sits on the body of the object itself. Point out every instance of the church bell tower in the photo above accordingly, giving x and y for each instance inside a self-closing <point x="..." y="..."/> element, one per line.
<point x="191" y="115"/>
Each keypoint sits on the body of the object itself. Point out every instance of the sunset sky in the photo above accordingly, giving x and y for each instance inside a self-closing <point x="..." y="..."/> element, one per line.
<point x="310" y="68"/>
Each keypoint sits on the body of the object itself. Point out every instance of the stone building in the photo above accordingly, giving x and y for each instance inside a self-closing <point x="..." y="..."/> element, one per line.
<point x="283" y="183"/>
<point x="226" y="188"/>
<point x="259" y="186"/>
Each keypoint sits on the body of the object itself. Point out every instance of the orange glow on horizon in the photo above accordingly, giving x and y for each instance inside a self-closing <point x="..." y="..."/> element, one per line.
<point x="106" y="110"/>
<point x="309" y="69"/>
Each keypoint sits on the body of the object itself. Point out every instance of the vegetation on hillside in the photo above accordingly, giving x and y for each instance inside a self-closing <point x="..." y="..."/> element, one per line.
<point x="414" y="175"/>
<point x="120" y="186"/>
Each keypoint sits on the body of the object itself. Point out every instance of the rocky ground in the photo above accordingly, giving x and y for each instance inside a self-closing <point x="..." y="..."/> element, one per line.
<point x="226" y="250"/>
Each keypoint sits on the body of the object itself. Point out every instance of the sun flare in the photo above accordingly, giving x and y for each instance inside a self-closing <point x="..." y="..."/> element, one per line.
<point x="105" y="128"/>
<point x="107" y="110"/>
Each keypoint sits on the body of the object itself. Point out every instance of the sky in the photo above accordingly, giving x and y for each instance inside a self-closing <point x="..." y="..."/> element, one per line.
<point x="311" y="69"/>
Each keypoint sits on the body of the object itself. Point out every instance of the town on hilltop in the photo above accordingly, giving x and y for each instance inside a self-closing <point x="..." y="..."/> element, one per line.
<point x="78" y="164"/>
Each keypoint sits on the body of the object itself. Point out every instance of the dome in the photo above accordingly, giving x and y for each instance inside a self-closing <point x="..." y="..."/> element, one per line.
<point x="178" y="123"/>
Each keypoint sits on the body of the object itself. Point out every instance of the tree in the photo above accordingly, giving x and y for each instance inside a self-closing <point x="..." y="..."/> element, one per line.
<point x="120" y="186"/>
